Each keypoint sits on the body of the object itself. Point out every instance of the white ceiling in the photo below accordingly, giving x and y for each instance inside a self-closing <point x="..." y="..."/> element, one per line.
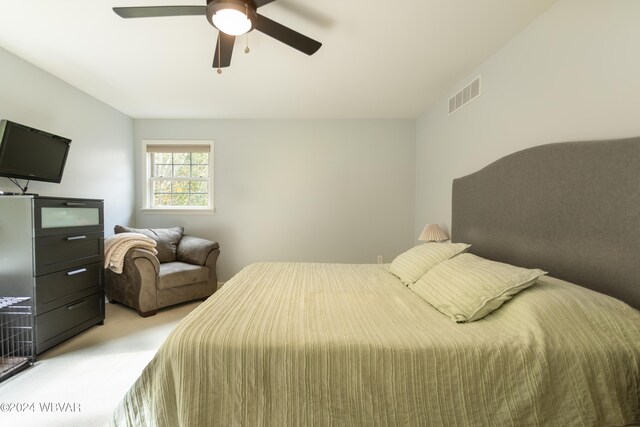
<point x="378" y="59"/>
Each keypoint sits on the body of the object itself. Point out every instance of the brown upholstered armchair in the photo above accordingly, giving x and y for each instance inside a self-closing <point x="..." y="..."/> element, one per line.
<point x="183" y="270"/>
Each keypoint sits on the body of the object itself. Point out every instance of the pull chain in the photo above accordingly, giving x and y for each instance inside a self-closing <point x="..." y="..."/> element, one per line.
<point x="246" y="13"/>
<point x="219" y="53"/>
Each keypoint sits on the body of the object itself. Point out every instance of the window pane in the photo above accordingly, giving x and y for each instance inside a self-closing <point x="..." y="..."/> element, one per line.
<point x="199" y="200"/>
<point x="200" y="171"/>
<point x="163" y="170"/>
<point x="198" y="186"/>
<point x="180" y="187"/>
<point x="162" y="158"/>
<point x="162" y="200"/>
<point x="200" y="158"/>
<point x="181" y="158"/>
<point x="182" y="170"/>
<point x="162" y="187"/>
<point x="180" y="200"/>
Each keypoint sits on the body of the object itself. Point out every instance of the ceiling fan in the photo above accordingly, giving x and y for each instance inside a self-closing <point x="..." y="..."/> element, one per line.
<point x="232" y="18"/>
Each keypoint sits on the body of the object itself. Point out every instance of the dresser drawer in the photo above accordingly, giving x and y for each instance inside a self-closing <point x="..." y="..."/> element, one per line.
<point x="66" y="286"/>
<point x="57" y="253"/>
<point x="55" y="216"/>
<point x="57" y="325"/>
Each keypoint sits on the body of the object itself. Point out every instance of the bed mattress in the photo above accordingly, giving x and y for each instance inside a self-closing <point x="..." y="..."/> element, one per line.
<point x="292" y="344"/>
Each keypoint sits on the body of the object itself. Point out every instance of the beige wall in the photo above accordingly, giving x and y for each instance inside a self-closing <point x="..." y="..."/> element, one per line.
<point x="100" y="161"/>
<point x="299" y="190"/>
<point x="573" y="74"/>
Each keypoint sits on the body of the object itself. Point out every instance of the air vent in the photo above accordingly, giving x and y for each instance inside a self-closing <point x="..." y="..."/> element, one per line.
<point x="465" y="96"/>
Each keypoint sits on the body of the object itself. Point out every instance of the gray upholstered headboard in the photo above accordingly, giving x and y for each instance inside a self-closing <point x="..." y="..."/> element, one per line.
<point x="572" y="209"/>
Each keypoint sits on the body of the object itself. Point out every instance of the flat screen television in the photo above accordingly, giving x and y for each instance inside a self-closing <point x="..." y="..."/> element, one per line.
<point x="31" y="154"/>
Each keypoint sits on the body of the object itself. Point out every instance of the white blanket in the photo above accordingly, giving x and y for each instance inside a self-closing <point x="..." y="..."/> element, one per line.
<point x="116" y="247"/>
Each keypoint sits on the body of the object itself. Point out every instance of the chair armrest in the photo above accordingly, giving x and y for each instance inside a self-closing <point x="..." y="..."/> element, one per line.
<point x="136" y="286"/>
<point x="135" y="253"/>
<point x="194" y="250"/>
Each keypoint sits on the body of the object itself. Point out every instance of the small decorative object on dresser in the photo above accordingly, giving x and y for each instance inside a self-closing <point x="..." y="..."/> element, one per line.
<point x="180" y="268"/>
<point x="51" y="250"/>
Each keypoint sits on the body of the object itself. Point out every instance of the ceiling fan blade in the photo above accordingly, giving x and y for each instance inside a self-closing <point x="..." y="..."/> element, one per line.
<point x="224" y="49"/>
<point x="260" y="3"/>
<point x="154" y="11"/>
<point x="287" y="35"/>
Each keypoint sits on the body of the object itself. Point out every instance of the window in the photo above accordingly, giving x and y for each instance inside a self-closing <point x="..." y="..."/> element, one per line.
<point x="179" y="175"/>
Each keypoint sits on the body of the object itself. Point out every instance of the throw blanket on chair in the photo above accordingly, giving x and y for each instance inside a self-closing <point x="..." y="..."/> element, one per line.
<point x="116" y="247"/>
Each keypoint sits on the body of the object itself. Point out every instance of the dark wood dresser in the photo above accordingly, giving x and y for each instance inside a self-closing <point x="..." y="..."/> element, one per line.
<point x="51" y="250"/>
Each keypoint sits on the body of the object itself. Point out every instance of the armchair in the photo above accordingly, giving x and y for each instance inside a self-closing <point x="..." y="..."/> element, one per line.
<point x="183" y="270"/>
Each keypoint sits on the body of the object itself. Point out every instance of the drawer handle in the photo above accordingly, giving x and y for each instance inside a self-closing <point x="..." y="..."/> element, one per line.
<point x="74" y="306"/>
<point x="74" y="204"/>
<point x="75" y="238"/>
<point x="78" y="271"/>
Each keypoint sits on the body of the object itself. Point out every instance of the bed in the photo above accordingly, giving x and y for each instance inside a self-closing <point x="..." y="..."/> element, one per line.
<point x="292" y="344"/>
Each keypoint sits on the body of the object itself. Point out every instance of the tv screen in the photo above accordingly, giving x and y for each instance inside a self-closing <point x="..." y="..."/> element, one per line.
<point x="28" y="153"/>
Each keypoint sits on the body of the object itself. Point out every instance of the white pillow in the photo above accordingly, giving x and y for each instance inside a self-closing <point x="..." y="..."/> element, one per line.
<point x="414" y="263"/>
<point x="467" y="287"/>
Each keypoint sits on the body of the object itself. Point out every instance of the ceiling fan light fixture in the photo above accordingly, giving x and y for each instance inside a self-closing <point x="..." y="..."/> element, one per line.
<point x="232" y="17"/>
<point x="231" y="21"/>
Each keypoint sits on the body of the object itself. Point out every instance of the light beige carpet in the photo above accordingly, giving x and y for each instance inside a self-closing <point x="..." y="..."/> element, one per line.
<point x="80" y="382"/>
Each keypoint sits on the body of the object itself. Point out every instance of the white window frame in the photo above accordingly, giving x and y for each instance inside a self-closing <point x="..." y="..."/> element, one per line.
<point x="147" y="178"/>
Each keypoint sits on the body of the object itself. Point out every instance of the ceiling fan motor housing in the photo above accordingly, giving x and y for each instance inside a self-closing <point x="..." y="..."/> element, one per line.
<point x="247" y="7"/>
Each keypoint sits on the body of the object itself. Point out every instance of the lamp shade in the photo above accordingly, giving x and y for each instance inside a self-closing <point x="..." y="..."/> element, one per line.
<point x="433" y="233"/>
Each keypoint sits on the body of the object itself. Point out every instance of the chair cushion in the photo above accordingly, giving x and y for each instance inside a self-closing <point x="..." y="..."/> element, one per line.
<point x="167" y="239"/>
<point x="173" y="274"/>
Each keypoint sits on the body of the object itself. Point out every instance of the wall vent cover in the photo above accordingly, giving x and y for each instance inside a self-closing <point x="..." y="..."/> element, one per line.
<point x="465" y="96"/>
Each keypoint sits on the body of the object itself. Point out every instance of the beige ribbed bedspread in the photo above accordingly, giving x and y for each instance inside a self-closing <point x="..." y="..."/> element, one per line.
<point x="285" y="344"/>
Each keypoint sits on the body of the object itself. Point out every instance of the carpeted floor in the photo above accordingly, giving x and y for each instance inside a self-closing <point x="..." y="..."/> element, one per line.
<point x="80" y="382"/>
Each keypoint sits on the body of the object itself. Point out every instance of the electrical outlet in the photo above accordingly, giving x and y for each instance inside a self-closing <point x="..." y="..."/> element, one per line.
<point x="380" y="259"/>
